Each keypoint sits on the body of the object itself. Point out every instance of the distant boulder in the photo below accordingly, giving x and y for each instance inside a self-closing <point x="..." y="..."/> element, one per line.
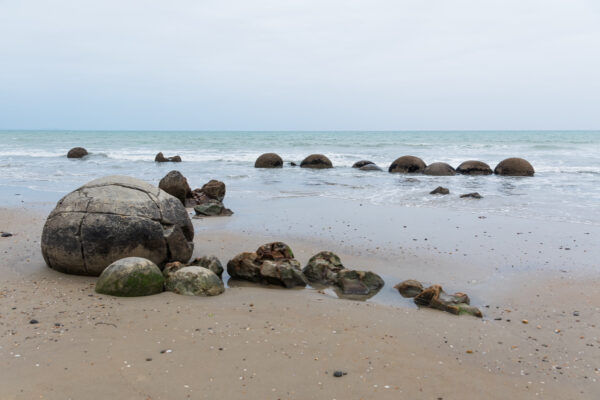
<point x="514" y="167"/>
<point x="473" y="195"/>
<point x="176" y="185"/>
<point x="474" y="167"/>
<point x="407" y="164"/>
<point x="439" y="169"/>
<point x="440" y="190"/>
<point x="362" y="163"/>
<point x="161" y="158"/>
<point x="370" y="167"/>
<point x="77" y="152"/>
<point x="316" y="161"/>
<point x="268" y="160"/>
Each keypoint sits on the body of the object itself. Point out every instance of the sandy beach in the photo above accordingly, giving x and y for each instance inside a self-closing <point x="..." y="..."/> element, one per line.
<point x="538" y="338"/>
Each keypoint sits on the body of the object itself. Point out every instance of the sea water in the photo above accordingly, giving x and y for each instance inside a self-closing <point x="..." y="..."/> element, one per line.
<point x="566" y="186"/>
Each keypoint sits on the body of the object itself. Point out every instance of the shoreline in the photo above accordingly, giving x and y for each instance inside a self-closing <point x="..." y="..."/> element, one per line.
<point x="413" y="352"/>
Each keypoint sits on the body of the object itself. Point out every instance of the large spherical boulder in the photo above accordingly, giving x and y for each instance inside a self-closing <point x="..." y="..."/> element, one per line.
<point x="131" y="276"/>
<point x="194" y="281"/>
<point x="176" y="185"/>
<point x="316" y="161"/>
<point x="112" y="218"/>
<point x="407" y="164"/>
<point x="268" y="160"/>
<point x="439" y="169"/>
<point x="474" y="167"/>
<point x="514" y="167"/>
<point x="77" y="152"/>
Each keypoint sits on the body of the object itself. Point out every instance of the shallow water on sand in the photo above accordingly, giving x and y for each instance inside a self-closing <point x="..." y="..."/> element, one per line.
<point x="566" y="186"/>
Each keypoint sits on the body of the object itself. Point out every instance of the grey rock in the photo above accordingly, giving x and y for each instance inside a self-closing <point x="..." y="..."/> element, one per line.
<point x="209" y="262"/>
<point x="194" y="281"/>
<point x="131" y="276"/>
<point x="112" y="218"/>
<point x="355" y="282"/>
<point x="362" y="163"/>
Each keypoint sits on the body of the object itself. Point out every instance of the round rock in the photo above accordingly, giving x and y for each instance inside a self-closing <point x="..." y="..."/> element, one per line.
<point x="407" y="164"/>
<point x="316" y="161"/>
<point x="362" y="163"/>
<point x="77" y="152"/>
<point x="176" y="185"/>
<point x="129" y="277"/>
<point x="112" y="218"/>
<point x="514" y="167"/>
<point x="474" y="167"/>
<point x="439" y="169"/>
<point x="195" y="281"/>
<point x="268" y="160"/>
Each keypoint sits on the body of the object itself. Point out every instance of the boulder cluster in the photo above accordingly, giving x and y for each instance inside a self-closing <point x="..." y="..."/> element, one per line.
<point x="207" y="201"/>
<point x="410" y="165"/>
<point x="160" y="158"/>
<point x="435" y="297"/>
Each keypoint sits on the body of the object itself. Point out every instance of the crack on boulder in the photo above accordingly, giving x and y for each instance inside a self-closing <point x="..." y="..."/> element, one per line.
<point x="79" y="230"/>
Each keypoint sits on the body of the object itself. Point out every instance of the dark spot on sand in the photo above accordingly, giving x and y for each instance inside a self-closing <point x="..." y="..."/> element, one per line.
<point x="34" y="321"/>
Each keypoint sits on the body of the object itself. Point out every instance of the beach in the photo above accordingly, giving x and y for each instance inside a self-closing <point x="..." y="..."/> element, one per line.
<point x="535" y="282"/>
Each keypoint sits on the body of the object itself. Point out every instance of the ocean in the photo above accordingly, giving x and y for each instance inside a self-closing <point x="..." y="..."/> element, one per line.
<point x="566" y="186"/>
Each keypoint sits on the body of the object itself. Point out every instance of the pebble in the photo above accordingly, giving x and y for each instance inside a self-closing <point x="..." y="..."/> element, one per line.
<point x="339" y="374"/>
<point x="34" y="321"/>
<point x="6" y="234"/>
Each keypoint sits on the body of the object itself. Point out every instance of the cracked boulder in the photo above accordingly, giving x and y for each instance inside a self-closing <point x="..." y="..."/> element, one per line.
<point x="272" y="263"/>
<point x="112" y="218"/>
<point x="323" y="268"/>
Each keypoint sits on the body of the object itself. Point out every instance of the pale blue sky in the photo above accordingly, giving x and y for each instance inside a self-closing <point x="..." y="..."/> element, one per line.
<point x="300" y="64"/>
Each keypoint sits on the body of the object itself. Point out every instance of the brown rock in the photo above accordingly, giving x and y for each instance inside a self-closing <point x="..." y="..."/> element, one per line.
<point x="514" y="167"/>
<point x="362" y="163"/>
<point x="161" y="158"/>
<point x="439" y="169"/>
<point x="268" y="160"/>
<point x="458" y="303"/>
<point x="77" y="152"/>
<point x="473" y="167"/>
<point x="440" y="190"/>
<point x="407" y="164"/>
<point x="214" y="190"/>
<point x="409" y="288"/>
<point x="316" y="161"/>
<point x="176" y="185"/>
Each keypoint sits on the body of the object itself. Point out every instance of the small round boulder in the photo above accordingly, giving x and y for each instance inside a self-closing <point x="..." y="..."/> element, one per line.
<point x="474" y="167"/>
<point x="407" y="164"/>
<point x="439" y="169"/>
<point x="268" y="160"/>
<point x="362" y="163"/>
<point x="195" y="281"/>
<point x="176" y="185"/>
<point x="316" y="161"/>
<point x="130" y="277"/>
<point x="514" y="167"/>
<point x="77" y="152"/>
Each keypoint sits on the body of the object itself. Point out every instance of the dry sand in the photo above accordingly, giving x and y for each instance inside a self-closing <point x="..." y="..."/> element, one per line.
<point x="269" y="343"/>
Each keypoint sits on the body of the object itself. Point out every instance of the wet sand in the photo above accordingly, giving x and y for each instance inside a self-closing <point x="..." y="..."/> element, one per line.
<point x="271" y="343"/>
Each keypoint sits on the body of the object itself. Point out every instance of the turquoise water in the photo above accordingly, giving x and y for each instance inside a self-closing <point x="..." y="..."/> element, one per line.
<point x="566" y="186"/>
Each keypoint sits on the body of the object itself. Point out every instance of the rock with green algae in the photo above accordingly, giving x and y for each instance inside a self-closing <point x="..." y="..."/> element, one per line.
<point x="130" y="277"/>
<point x="353" y="282"/>
<point x="323" y="268"/>
<point x="457" y="303"/>
<point x="195" y="281"/>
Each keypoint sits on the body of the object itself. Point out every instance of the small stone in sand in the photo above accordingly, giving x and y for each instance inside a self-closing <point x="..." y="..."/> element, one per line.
<point x="339" y="374"/>
<point x="34" y="321"/>
<point x="6" y="234"/>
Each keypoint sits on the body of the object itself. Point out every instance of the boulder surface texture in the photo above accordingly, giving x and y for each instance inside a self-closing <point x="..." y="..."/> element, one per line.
<point x="77" y="152"/>
<point x="268" y="160"/>
<point x="129" y="277"/>
<point x="112" y="218"/>
<point x="316" y="161"/>
<point x="407" y="164"/>
<point x="474" y="167"/>
<point x="514" y="167"/>
<point x="323" y="268"/>
<point x="194" y="281"/>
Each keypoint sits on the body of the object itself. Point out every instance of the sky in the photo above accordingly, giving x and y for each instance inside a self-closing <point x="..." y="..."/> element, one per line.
<point x="300" y="64"/>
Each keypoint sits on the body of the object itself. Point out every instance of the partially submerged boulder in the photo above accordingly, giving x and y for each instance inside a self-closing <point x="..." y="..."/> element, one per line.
<point x="176" y="185"/>
<point x="362" y="163"/>
<point x="272" y="263"/>
<point x="407" y="164"/>
<point x="161" y="158"/>
<point x="457" y="303"/>
<point x="474" y="167"/>
<point x="316" y="161"/>
<point x="112" y="218"/>
<point x="514" y="167"/>
<point x="370" y="167"/>
<point x="473" y="195"/>
<point x="409" y="288"/>
<point x="194" y="281"/>
<point x="440" y="190"/>
<point x="268" y="160"/>
<point x="353" y="282"/>
<point x="131" y="276"/>
<point x="209" y="262"/>
<point x="77" y="152"/>
<point x="323" y="268"/>
<point x="439" y="169"/>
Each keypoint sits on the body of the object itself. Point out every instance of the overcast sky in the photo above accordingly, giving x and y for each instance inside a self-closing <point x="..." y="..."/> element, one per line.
<point x="300" y="64"/>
